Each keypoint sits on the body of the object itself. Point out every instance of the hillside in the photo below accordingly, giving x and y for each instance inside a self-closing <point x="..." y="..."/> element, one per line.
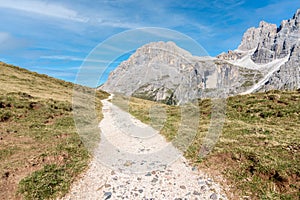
<point x="40" y="150"/>
<point x="258" y="152"/>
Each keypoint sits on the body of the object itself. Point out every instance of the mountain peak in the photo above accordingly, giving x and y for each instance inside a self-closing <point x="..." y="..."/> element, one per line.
<point x="268" y="58"/>
<point x="169" y="46"/>
<point x="264" y="24"/>
<point x="253" y="35"/>
<point x="297" y="14"/>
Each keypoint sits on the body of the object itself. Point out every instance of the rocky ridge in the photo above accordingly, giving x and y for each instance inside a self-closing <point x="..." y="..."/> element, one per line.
<point x="266" y="44"/>
<point x="161" y="71"/>
<point x="267" y="58"/>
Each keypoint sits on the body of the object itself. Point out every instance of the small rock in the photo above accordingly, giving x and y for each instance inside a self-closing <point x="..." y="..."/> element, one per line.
<point x="107" y="195"/>
<point x="183" y="187"/>
<point x="188" y="194"/>
<point x="128" y="163"/>
<point x="208" y="183"/>
<point x="154" y="180"/>
<point x="201" y="182"/>
<point x="148" y="174"/>
<point x="140" y="190"/>
<point x="213" y="196"/>
<point x="196" y="193"/>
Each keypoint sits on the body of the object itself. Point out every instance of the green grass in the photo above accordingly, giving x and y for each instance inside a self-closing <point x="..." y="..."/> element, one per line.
<point x="40" y="150"/>
<point x="258" y="152"/>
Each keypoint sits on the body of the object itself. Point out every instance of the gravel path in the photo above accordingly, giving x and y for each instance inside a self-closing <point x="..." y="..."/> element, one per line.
<point x="133" y="161"/>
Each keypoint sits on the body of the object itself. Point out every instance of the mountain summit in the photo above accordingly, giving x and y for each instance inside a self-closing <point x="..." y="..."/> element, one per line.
<point x="162" y="71"/>
<point x="274" y="50"/>
<point x="267" y="58"/>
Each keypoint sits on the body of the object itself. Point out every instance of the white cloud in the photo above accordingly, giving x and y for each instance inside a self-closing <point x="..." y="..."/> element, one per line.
<point x="73" y="58"/>
<point x="43" y="8"/>
<point x="116" y="23"/>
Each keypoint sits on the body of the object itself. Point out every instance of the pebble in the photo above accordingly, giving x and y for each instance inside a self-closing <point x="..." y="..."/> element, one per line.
<point x="154" y="180"/>
<point x="107" y="195"/>
<point x="183" y="187"/>
<point x="213" y="196"/>
<point x="148" y="174"/>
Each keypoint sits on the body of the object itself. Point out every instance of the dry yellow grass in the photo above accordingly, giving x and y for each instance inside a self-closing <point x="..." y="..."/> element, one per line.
<point x="40" y="150"/>
<point x="15" y="79"/>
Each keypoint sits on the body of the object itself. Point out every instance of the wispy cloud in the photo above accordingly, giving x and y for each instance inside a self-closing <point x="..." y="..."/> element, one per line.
<point x="52" y="33"/>
<point x="8" y="42"/>
<point x="73" y="58"/>
<point x="43" y="8"/>
<point x="117" y="23"/>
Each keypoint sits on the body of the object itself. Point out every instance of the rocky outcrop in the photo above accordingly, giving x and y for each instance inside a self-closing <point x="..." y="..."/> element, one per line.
<point x="268" y="44"/>
<point x="267" y="58"/>
<point x="288" y="75"/>
<point x="231" y="55"/>
<point x="253" y="37"/>
<point x="161" y="71"/>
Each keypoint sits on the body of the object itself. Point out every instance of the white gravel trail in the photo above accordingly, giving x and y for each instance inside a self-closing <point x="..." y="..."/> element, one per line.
<point x="133" y="161"/>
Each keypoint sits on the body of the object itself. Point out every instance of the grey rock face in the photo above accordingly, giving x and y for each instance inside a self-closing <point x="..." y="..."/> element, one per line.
<point x="267" y="58"/>
<point x="269" y="43"/>
<point x="231" y="55"/>
<point x="288" y="76"/>
<point x="164" y="72"/>
<point x="255" y="36"/>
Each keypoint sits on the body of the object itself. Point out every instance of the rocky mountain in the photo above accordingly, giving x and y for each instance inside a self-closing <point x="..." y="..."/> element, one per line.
<point x="161" y="71"/>
<point x="272" y="50"/>
<point x="267" y="58"/>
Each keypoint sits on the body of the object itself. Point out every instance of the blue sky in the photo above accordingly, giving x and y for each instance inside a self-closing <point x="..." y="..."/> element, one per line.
<point x="54" y="37"/>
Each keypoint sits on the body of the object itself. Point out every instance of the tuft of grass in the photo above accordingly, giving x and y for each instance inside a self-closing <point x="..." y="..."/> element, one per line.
<point x="44" y="183"/>
<point x="258" y="152"/>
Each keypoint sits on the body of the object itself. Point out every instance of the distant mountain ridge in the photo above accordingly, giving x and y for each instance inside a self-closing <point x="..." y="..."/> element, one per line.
<point x="267" y="58"/>
<point x="266" y="44"/>
<point x="161" y="71"/>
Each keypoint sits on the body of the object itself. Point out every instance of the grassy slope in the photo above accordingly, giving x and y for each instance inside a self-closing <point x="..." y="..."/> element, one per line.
<point x="259" y="150"/>
<point x="40" y="150"/>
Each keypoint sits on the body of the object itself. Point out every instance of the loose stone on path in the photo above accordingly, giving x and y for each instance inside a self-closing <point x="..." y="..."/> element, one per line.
<point x="128" y="178"/>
